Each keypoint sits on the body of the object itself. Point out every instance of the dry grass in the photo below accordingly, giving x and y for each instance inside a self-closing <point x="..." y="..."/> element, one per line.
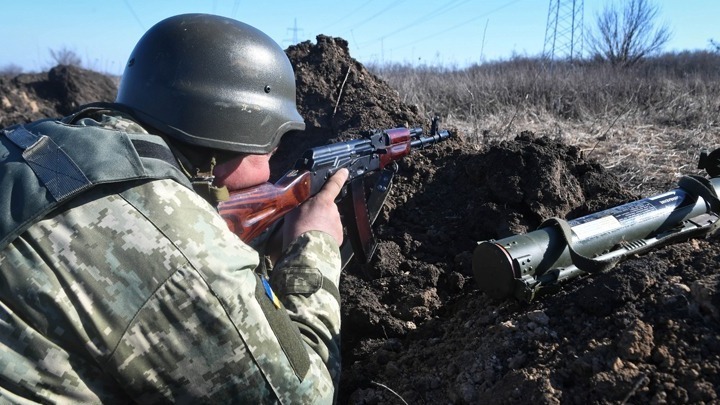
<point x="647" y="124"/>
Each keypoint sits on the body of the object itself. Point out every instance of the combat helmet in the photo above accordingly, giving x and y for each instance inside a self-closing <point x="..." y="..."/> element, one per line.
<point x="212" y="81"/>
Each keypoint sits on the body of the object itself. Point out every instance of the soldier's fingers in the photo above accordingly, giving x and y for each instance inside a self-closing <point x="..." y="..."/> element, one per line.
<point x="332" y="187"/>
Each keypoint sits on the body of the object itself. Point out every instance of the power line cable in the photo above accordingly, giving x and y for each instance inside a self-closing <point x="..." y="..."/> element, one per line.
<point x="456" y="26"/>
<point x="395" y="4"/>
<point x="235" y="8"/>
<point x="351" y="14"/>
<point x="440" y="10"/>
<point x="127" y="3"/>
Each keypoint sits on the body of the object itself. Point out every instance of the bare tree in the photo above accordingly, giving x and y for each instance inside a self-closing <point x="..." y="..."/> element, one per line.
<point x="714" y="45"/>
<point x="624" y="37"/>
<point x="65" y="56"/>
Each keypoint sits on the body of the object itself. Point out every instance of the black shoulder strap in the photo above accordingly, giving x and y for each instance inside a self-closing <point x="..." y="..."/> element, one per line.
<point x="60" y="175"/>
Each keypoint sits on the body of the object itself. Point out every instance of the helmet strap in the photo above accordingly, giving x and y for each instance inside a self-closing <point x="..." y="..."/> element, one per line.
<point x="202" y="183"/>
<point x="198" y="168"/>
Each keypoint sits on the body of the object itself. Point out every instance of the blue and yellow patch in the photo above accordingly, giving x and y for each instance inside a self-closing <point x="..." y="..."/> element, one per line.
<point x="270" y="293"/>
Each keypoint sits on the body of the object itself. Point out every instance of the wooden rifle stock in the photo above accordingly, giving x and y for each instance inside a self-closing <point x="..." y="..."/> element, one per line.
<point x="250" y="211"/>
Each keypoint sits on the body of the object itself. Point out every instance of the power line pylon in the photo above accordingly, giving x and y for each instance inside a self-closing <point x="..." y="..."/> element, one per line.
<point x="294" y="40"/>
<point x="564" y="30"/>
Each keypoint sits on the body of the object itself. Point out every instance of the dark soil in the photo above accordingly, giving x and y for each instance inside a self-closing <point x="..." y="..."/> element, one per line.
<point x="29" y="97"/>
<point x="416" y="328"/>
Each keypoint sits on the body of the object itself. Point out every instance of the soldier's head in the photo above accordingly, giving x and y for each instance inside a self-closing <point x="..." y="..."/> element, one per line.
<point x="212" y="82"/>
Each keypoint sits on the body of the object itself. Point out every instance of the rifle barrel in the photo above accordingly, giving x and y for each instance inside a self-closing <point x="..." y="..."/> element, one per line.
<point x="423" y="141"/>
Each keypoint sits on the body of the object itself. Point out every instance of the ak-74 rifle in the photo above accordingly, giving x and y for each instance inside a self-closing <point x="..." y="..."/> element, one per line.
<point x="253" y="211"/>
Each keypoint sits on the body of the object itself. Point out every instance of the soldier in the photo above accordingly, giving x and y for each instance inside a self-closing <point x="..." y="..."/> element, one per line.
<point x="120" y="283"/>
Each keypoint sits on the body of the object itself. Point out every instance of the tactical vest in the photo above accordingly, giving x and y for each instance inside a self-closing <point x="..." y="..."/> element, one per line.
<point x="46" y="163"/>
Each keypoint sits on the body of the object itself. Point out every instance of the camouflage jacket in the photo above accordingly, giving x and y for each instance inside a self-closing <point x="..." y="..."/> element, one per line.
<point x="137" y="292"/>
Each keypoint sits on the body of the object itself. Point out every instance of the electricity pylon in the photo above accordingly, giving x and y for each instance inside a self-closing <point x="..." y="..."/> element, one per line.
<point x="564" y="30"/>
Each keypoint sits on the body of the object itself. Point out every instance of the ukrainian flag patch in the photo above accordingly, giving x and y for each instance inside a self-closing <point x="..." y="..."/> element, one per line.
<point x="270" y="293"/>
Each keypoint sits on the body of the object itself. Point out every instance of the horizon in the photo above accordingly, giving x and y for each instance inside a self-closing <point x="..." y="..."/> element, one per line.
<point x="455" y="33"/>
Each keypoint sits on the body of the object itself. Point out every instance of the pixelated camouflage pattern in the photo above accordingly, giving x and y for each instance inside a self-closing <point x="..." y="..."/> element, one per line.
<point x="117" y="121"/>
<point x="139" y="293"/>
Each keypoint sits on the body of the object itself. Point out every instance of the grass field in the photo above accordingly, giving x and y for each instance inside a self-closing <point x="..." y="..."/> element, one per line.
<point x="647" y="124"/>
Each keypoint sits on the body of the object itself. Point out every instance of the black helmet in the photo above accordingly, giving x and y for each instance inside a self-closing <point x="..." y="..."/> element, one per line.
<point x="212" y="81"/>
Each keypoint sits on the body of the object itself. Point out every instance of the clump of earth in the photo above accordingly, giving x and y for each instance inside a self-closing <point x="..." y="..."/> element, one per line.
<point x="416" y="327"/>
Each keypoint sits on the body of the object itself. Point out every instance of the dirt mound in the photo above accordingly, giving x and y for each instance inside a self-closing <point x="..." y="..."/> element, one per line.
<point x="338" y="97"/>
<point x="29" y="97"/>
<point x="415" y="326"/>
<point x="338" y="93"/>
<point x="445" y="200"/>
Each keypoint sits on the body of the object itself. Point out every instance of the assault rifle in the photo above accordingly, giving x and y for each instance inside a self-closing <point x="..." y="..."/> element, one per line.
<point x="253" y="211"/>
<point x="520" y="266"/>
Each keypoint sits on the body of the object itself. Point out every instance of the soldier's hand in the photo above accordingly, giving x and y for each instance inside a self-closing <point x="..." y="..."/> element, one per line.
<point x="319" y="213"/>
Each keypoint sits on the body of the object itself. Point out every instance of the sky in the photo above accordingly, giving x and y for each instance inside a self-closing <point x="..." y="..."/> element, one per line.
<point x="450" y="33"/>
